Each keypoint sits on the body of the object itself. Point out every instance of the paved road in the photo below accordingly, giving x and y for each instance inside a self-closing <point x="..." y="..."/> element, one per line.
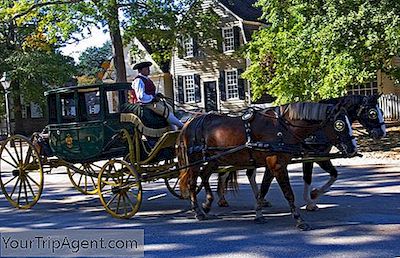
<point x="360" y="217"/>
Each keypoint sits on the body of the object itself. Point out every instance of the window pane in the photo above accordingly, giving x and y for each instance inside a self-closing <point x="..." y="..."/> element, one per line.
<point x="113" y="102"/>
<point x="228" y="37"/>
<point x="189" y="88"/>
<point x="188" y="46"/>
<point x="68" y="107"/>
<point x="232" y="90"/>
<point x="92" y="102"/>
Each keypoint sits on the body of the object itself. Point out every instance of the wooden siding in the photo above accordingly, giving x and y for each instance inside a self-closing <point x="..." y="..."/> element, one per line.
<point x="209" y="66"/>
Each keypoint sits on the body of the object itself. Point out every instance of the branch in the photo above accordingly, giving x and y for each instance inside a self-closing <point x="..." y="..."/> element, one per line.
<point x="38" y="5"/>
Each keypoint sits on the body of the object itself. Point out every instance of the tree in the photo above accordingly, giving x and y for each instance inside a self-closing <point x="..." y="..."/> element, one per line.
<point x="60" y="19"/>
<point x="91" y="59"/>
<point x="32" y="62"/>
<point x="314" y="50"/>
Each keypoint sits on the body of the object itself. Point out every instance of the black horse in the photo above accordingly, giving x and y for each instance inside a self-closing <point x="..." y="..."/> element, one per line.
<point x="363" y="109"/>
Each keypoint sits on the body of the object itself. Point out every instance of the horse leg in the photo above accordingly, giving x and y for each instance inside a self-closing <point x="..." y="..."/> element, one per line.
<point x="198" y="211"/>
<point x="222" y="202"/>
<point x="251" y="175"/>
<point x="328" y="167"/>
<point x="265" y="185"/>
<point x="307" y="178"/>
<point x="209" y="195"/>
<point x="280" y="172"/>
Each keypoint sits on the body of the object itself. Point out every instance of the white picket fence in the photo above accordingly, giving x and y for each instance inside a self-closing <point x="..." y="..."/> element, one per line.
<point x="390" y="104"/>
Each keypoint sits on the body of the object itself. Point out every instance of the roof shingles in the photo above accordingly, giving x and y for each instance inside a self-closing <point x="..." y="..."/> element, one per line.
<point x="243" y="8"/>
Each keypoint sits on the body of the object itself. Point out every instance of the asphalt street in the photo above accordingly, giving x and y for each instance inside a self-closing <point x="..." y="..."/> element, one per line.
<point x="359" y="217"/>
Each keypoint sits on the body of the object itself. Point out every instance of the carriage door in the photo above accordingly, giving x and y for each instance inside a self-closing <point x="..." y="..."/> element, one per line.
<point x="210" y="93"/>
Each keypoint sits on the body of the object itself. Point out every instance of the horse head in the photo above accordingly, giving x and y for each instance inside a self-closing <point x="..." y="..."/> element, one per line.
<point x="339" y="132"/>
<point x="371" y="118"/>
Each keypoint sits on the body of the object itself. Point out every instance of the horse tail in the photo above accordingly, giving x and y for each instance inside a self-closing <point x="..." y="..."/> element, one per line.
<point x="183" y="160"/>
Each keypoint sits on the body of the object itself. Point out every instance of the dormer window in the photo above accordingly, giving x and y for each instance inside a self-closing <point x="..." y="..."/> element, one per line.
<point x="228" y="39"/>
<point x="188" y="46"/>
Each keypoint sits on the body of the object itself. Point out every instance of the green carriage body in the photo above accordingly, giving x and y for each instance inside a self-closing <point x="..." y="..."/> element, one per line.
<point x="83" y="120"/>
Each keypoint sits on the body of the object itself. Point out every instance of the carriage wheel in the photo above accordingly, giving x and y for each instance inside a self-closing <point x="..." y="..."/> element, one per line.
<point x="21" y="172"/>
<point x="120" y="189"/>
<point x="173" y="186"/>
<point x="85" y="181"/>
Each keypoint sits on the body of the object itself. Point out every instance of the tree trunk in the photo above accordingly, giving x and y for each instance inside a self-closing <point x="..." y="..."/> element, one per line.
<point x="116" y="39"/>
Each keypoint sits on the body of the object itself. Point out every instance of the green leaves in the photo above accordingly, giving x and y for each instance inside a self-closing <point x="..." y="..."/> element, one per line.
<point x="318" y="49"/>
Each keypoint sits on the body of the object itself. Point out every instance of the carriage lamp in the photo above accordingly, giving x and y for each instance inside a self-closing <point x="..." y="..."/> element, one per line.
<point x="6" y="83"/>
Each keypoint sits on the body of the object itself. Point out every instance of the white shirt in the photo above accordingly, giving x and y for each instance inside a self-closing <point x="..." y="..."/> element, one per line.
<point x="139" y="88"/>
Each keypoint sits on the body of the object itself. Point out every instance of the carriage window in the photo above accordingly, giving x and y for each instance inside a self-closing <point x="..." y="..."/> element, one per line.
<point x="113" y="102"/>
<point x="92" y="104"/>
<point x="68" y="107"/>
<point x="52" y="105"/>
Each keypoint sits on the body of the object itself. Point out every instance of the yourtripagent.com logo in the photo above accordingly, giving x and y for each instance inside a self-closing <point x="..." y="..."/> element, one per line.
<point x="87" y="243"/>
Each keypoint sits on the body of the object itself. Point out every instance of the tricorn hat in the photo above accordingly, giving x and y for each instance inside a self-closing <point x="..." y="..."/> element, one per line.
<point x="141" y="65"/>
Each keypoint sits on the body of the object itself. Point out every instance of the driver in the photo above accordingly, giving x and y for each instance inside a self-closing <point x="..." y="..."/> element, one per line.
<point x="145" y="92"/>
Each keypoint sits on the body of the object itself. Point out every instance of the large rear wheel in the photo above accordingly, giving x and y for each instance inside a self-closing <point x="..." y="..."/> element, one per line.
<point x="120" y="189"/>
<point x="21" y="172"/>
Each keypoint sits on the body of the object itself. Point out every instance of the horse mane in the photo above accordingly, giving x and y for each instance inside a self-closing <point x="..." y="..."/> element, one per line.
<point x="306" y="111"/>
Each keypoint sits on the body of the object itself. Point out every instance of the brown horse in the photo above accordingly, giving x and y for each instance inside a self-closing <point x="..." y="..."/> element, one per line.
<point x="263" y="138"/>
<point x="363" y="109"/>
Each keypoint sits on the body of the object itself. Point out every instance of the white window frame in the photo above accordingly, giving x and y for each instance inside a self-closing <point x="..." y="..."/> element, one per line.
<point x="188" y="46"/>
<point x="226" y="48"/>
<point x="370" y="88"/>
<point x="189" y="88"/>
<point x="232" y="85"/>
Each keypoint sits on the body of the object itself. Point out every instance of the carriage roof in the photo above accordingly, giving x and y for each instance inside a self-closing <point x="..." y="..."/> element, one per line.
<point x="84" y="88"/>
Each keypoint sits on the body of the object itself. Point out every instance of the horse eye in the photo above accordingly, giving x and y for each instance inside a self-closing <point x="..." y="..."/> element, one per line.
<point x="339" y="125"/>
<point x="372" y="114"/>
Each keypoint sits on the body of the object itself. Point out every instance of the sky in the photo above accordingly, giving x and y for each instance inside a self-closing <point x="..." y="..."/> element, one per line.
<point x="97" y="39"/>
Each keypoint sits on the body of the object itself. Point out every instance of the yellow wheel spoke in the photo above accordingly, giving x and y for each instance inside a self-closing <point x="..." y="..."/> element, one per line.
<point x="111" y="200"/>
<point x="129" y="200"/>
<point x="19" y="193"/>
<point x="16" y="152"/>
<point x="15" y="187"/>
<point x="9" y="153"/>
<point x="119" y="200"/>
<point x="31" y="189"/>
<point x="13" y="165"/>
<point x="26" y="193"/>
<point x="28" y="156"/>
<point x="10" y="180"/>
<point x="80" y="179"/>
<point x="28" y="176"/>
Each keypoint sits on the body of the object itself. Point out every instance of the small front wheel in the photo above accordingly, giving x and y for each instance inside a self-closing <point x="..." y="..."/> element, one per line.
<point x="120" y="189"/>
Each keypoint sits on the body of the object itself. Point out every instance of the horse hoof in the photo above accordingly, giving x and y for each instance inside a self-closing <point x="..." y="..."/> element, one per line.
<point x="206" y="209"/>
<point x="303" y="226"/>
<point x="314" y="193"/>
<point x="312" y="207"/>
<point x="223" y="203"/>
<point x="260" y="220"/>
<point x="201" y="217"/>
<point x="266" y="204"/>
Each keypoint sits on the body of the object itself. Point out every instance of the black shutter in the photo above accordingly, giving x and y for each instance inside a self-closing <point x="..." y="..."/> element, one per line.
<point x="197" y="91"/>
<point x="241" y="84"/>
<point x="222" y="89"/>
<point x="220" y="41"/>
<point x="195" y="47"/>
<point x="236" y="38"/>
<point x="181" y="95"/>
<point x="181" y="48"/>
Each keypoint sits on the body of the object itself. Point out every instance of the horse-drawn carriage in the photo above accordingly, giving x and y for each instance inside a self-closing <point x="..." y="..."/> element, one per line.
<point x="110" y="148"/>
<point x="103" y="144"/>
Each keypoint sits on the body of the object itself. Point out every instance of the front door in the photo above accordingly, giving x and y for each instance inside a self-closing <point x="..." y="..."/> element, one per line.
<point x="210" y="93"/>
